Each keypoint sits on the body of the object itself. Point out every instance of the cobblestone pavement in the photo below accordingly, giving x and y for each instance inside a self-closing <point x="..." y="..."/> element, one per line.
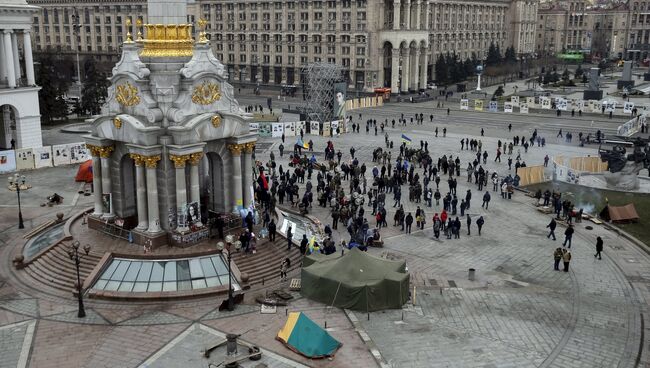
<point x="517" y="313"/>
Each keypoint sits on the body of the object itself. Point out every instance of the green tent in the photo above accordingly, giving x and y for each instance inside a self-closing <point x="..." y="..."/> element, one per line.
<point x="356" y="281"/>
<point x="302" y="335"/>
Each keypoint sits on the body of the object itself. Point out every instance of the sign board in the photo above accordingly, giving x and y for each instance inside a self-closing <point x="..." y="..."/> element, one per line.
<point x="523" y="108"/>
<point x="326" y="129"/>
<point x="7" y="161"/>
<point x="478" y="105"/>
<point x="594" y="106"/>
<point x="580" y="105"/>
<point x="43" y="157"/>
<point x="78" y="153"/>
<point x="514" y="100"/>
<point x="610" y="106"/>
<point x="507" y="106"/>
<point x="25" y="159"/>
<point x="530" y="101"/>
<point x="464" y="104"/>
<point x="493" y="106"/>
<point x="315" y="127"/>
<point x="61" y="154"/>
<point x="545" y="102"/>
<point x="265" y="129"/>
<point x="335" y="126"/>
<point x="561" y="104"/>
<point x="628" y="107"/>
<point x="301" y="126"/>
<point x="290" y="129"/>
<point x="254" y="126"/>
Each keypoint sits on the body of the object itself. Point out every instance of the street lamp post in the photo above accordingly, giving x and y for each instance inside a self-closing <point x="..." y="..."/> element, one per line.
<point x="77" y="27"/>
<point x="230" y="242"/>
<point x="16" y="184"/>
<point x="76" y="257"/>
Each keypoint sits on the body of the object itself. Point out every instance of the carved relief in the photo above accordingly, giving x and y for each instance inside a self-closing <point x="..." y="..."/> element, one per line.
<point x="235" y="149"/>
<point x="138" y="159"/>
<point x="151" y="161"/>
<point x="195" y="158"/>
<point x="179" y="160"/>
<point x="216" y="121"/>
<point x="206" y="93"/>
<point x="127" y="94"/>
<point x="117" y="122"/>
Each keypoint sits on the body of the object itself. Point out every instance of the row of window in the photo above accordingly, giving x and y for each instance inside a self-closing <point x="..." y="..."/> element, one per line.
<point x="278" y="5"/>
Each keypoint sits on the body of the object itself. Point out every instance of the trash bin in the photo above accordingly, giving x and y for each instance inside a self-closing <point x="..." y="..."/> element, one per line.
<point x="471" y="273"/>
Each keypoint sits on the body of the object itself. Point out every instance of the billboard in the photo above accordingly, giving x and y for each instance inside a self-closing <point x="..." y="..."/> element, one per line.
<point x="338" y="105"/>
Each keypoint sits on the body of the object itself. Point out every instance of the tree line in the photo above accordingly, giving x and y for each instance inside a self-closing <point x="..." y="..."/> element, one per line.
<point x="451" y="69"/>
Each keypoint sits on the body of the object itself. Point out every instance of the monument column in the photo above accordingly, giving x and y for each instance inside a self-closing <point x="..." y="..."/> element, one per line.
<point x="407" y="14"/>
<point x="9" y="59"/>
<point x="29" y="60"/>
<point x="394" y="72"/>
<point x="152" y="193"/>
<point x="14" y="46"/>
<point x="107" y="184"/>
<point x="396" y="14"/>
<point x="423" y="68"/>
<point x="97" y="179"/>
<point x="141" y="191"/>
<point x="404" y="86"/>
<point x="235" y="152"/>
<point x="418" y="10"/>
<point x="195" y="186"/>
<point x="3" y="65"/>
<point x="415" y="60"/>
<point x="248" y="172"/>
<point x="181" y="186"/>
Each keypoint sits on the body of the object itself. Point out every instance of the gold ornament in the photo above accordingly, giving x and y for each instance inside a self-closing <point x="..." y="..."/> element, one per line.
<point x="127" y="94"/>
<point x="128" y="31"/>
<point x="249" y="147"/>
<point x="94" y="150"/>
<point x="138" y="24"/>
<point x="138" y="159"/>
<point x="167" y="40"/>
<point x="106" y="151"/>
<point x="117" y="122"/>
<point x="151" y="161"/>
<point x="216" y="121"/>
<point x="235" y="149"/>
<point x="206" y="93"/>
<point x="179" y="160"/>
<point x="202" y="35"/>
<point x="195" y="158"/>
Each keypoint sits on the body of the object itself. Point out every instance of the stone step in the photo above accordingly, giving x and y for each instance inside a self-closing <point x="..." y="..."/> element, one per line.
<point x="66" y="262"/>
<point x="41" y="277"/>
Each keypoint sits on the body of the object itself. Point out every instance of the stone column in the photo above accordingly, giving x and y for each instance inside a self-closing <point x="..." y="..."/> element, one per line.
<point x="405" y="70"/>
<point x="248" y="172"/>
<point x="415" y="60"/>
<point x="107" y="184"/>
<point x="394" y="72"/>
<point x="29" y="60"/>
<point x="14" y="47"/>
<point x="141" y="191"/>
<point x="195" y="186"/>
<point x="423" y="68"/>
<point x="418" y="10"/>
<point x="407" y="14"/>
<point x="3" y="65"/>
<point x="152" y="193"/>
<point x="181" y="186"/>
<point x="427" y="15"/>
<point x="396" y="14"/>
<point x="97" y="179"/>
<point x="9" y="59"/>
<point x="235" y="151"/>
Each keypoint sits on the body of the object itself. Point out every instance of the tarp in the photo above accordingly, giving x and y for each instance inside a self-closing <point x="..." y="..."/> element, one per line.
<point x="85" y="172"/>
<point x="356" y="281"/>
<point x="530" y="175"/>
<point x="303" y="336"/>
<point x="625" y="213"/>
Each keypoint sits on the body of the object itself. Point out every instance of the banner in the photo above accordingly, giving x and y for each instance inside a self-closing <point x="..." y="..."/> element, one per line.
<point x="464" y="104"/>
<point x="514" y="100"/>
<point x="25" y="159"/>
<point x="326" y="129"/>
<point x="7" y="161"/>
<point x="580" y="105"/>
<point x="478" y="105"/>
<point x="523" y="108"/>
<point x="507" y="106"/>
<point x="265" y="129"/>
<point x="315" y="127"/>
<point x="301" y="126"/>
<point x="61" y="154"/>
<point x="561" y="104"/>
<point x="290" y="129"/>
<point x="254" y="126"/>
<point x="493" y="106"/>
<point x="78" y="153"/>
<point x="544" y="102"/>
<point x="594" y="106"/>
<point x="335" y="126"/>
<point x="530" y="101"/>
<point x="43" y="157"/>
<point x="628" y="107"/>
<point x="610" y="106"/>
<point x="277" y="129"/>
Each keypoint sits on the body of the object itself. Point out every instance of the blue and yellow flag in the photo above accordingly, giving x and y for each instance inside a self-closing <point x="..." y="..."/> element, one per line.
<point x="406" y="139"/>
<point x="303" y="336"/>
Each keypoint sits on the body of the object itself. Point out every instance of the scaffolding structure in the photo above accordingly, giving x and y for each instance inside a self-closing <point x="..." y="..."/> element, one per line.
<point x="319" y="92"/>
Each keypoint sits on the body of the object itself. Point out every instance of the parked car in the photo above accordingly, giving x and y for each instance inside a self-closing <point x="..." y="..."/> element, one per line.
<point x="432" y="86"/>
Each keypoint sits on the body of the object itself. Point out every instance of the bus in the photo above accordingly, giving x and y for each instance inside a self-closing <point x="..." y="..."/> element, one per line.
<point x="572" y="56"/>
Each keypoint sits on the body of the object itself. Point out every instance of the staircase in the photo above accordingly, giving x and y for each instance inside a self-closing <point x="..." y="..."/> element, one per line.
<point x="57" y="270"/>
<point x="265" y="264"/>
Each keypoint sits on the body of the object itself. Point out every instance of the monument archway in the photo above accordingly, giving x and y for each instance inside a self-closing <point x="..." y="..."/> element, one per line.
<point x="8" y="115"/>
<point x="216" y="183"/>
<point x="128" y="190"/>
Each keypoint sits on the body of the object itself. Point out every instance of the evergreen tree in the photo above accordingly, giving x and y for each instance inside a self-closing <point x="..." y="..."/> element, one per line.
<point x="53" y="86"/>
<point x="565" y="75"/>
<point x="95" y="89"/>
<point x="510" y="56"/>
<point x="579" y="71"/>
<point x="499" y="92"/>
<point x="442" y="70"/>
<point x="493" y="56"/>
<point x="469" y="67"/>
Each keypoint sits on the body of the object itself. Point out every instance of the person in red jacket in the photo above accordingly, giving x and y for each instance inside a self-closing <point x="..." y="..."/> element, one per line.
<point x="443" y="219"/>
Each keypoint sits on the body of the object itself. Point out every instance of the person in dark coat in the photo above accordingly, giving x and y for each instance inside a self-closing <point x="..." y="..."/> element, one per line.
<point x="303" y="244"/>
<point x="552" y="225"/>
<point x="486" y="199"/>
<point x="289" y="238"/>
<point x="469" y="224"/>
<point x="479" y="224"/>
<point x="271" y="228"/>
<point x="557" y="257"/>
<point x="599" y="247"/>
<point x="409" y="221"/>
<point x="568" y="234"/>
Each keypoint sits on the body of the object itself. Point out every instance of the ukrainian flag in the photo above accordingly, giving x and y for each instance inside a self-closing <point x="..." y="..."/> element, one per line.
<point x="406" y="139"/>
<point x="303" y="336"/>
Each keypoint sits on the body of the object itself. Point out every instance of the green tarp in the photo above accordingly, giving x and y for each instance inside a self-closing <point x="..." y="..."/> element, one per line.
<point x="356" y="281"/>
<point x="304" y="336"/>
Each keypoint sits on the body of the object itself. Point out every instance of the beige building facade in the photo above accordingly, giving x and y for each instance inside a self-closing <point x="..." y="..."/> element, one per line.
<point x="380" y="43"/>
<point x="610" y="31"/>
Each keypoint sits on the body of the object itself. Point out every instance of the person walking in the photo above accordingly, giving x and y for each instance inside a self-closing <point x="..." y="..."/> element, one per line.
<point x="552" y="225"/>
<point x="303" y="244"/>
<point x="479" y="224"/>
<point x="289" y="238"/>
<point x="486" y="199"/>
<point x="568" y="234"/>
<point x="272" y="230"/>
<point x="284" y="267"/>
<point x="408" y="221"/>
<point x="469" y="224"/>
<point x="599" y="247"/>
<point x="557" y="257"/>
<point x="566" y="258"/>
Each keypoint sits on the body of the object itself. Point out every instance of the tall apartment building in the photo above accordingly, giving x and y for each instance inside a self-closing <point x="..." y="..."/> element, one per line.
<point x="380" y="43"/>
<point x="615" y="30"/>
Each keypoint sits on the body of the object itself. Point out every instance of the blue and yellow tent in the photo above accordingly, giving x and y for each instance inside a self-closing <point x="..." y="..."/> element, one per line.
<point x="303" y="336"/>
